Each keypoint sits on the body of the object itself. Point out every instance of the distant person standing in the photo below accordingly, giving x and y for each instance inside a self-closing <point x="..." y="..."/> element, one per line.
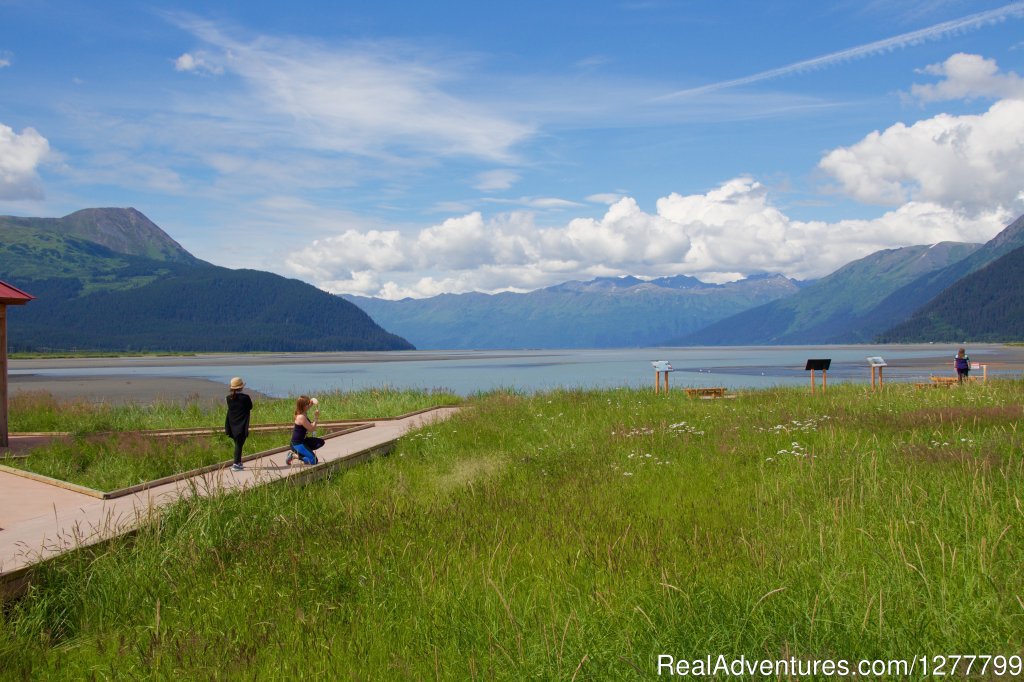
<point x="303" y="442"/>
<point x="962" y="364"/>
<point x="236" y="423"/>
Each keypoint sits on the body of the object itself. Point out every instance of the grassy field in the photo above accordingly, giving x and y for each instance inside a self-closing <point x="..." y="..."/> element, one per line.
<point x="42" y="412"/>
<point x="106" y="450"/>
<point x="576" y="535"/>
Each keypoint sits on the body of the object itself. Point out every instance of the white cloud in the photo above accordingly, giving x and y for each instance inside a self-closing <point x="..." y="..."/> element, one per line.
<point x="968" y="76"/>
<point x="364" y="98"/>
<point x="717" y="236"/>
<point x="934" y="32"/>
<point x="543" y="203"/>
<point x="974" y="162"/>
<point x="196" y="63"/>
<point x="604" y="197"/>
<point x="20" y="157"/>
<point x="5" y="59"/>
<point x="492" y="180"/>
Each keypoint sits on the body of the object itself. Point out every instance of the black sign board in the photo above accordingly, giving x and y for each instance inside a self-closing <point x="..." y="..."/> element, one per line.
<point x="820" y="364"/>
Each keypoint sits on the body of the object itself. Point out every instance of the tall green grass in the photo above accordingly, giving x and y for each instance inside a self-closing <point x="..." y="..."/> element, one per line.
<point x="112" y="461"/>
<point x="41" y="411"/>
<point x="576" y="535"/>
<point x="105" y="450"/>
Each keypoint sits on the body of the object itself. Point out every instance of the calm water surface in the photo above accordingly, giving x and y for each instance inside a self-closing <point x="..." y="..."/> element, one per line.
<point x="466" y="372"/>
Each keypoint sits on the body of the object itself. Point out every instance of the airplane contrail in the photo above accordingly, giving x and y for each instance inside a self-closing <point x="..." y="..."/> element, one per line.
<point x="914" y="37"/>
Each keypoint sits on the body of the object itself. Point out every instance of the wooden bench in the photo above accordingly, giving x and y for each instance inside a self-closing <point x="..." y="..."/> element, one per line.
<point x="944" y="381"/>
<point x="706" y="392"/>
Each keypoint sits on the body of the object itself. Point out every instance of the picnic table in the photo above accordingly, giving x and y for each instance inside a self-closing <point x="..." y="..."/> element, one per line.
<point x="706" y="392"/>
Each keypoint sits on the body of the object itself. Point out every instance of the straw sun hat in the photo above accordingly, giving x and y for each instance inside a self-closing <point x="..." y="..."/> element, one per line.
<point x="237" y="384"/>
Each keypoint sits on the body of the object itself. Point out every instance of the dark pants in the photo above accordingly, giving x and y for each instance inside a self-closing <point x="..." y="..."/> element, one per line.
<point x="239" y="442"/>
<point x="962" y="374"/>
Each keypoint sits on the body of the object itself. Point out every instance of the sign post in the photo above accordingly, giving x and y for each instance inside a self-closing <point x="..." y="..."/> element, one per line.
<point x="661" y="366"/>
<point x="984" y="371"/>
<point x="821" y="364"/>
<point x="9" y="295"/>
<point x="878" y="363"/>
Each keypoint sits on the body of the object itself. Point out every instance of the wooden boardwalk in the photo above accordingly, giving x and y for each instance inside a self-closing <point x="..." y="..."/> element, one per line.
<point x="39" y="520"/>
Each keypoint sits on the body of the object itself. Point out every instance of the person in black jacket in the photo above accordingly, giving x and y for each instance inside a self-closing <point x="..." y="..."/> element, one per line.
<point x="236" y="422"/>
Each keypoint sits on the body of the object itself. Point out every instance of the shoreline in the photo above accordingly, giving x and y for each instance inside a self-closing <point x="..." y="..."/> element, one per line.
<point x="162" y="378"/>
<point x="122" y="390"/>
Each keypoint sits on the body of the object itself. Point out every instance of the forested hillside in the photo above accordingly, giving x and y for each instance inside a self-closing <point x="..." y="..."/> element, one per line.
<point x="91" y="296"/>
<point x="838" y="308"/>
<point x="986" y="306"/>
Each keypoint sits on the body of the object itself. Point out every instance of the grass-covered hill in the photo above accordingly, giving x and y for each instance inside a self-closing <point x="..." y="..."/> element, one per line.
<point x="838" y="308"/>
<point x="577" y="535"/>
<point x="135" y="289"/>
<point x="985" y="306"/>
<point x="122" y="230"/>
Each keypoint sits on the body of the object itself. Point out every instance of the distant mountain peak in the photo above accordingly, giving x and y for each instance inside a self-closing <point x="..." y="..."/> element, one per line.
<point x="124" y="230"/>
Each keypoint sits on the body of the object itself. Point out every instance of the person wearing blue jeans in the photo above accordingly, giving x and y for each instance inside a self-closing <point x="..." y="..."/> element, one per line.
<point x="303" y="444"/>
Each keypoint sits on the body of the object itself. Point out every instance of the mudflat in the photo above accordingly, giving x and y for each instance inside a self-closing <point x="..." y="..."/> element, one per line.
<point x="120" y="390"/>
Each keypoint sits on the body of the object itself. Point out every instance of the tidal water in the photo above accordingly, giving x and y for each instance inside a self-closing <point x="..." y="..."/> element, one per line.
<point x="467" y="372"/>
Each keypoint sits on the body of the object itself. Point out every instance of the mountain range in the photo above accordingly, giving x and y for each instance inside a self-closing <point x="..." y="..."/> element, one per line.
<point x="861" y="301"/>
<point x="110" y="279"/>
<point x="607" y="312"/>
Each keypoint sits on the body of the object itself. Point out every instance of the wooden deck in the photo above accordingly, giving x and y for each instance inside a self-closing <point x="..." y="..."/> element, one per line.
<point x="41" y="518"/>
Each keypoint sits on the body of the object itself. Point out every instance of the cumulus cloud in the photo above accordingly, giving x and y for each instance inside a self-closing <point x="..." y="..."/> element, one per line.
<point x="196" y="63"/>
<point x="717" y="236"/>
<point x="5" y="59"/>
<point x="20" y="156"/>
<point x="973" y="162"/>
<point x="967" y="76"/>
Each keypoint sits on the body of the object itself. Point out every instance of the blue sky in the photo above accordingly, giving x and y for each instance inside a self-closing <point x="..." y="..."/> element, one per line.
<point x="396" y="148"/>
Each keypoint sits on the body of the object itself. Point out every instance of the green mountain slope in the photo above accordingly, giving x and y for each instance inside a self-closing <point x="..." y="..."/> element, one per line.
<point x="32" y="253"/>
<point x="603" y="313"/>
<point x="985" y="306"/>
<point x="199" y="309"/>
<point x="122" y="230"/>
<point x="838" y="308"/>
<point x="904" y="302"/>
<point x="92" y="296"/>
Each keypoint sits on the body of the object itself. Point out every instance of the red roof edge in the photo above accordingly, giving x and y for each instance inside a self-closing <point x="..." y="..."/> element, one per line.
<point x="12" y="295"/>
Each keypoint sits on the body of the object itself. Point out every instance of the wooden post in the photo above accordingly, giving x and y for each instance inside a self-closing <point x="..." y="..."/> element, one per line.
<point x="3" y="376"/>
<point x="880" y="382"/>
<point x="812" y="382"/>
<point x="984" y="374"/>
<point x="657" y="381"/>
<point x="872" y="377"/>
<point x="666" y="383"/>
